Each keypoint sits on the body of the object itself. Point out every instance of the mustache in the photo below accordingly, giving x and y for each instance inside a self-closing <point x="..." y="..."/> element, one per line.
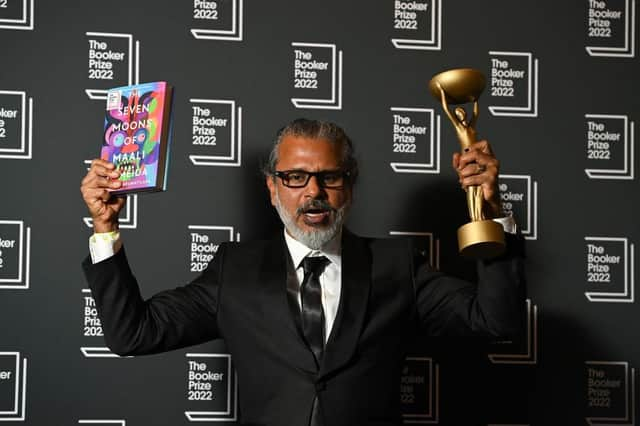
<point x="314" y="205"/>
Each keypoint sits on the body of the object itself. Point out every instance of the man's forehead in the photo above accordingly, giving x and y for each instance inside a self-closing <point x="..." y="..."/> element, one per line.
<point x="307" y="149"/>
<point x="293" y="139"/>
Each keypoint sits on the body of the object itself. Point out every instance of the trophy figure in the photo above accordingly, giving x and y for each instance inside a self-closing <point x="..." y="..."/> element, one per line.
<point x="482" y="238"/>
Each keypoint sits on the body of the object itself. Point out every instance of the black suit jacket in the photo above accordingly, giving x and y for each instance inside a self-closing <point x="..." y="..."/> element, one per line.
<point x="389" y="294"/>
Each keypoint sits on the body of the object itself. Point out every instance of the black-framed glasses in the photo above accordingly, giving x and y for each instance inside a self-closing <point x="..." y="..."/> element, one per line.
<point x="300" y="178"/>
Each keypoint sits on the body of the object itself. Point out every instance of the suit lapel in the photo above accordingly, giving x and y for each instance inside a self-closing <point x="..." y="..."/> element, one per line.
<point x="277" y="307"/>
<point x="354" y="297"/>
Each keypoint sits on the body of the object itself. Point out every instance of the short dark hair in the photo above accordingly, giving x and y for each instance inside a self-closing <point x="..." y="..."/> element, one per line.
<point x="315" y="129"/>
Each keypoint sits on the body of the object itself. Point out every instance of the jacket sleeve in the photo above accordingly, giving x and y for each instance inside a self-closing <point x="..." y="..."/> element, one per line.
<point x="169" y="320"/>
<point x="493" y="307"/>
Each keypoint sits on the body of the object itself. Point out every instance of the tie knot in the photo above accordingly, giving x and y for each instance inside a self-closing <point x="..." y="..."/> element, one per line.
<point x="314" y="264"/>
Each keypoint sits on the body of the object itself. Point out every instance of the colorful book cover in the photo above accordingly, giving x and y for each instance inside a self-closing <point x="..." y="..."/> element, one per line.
<point x="137" y="135"/>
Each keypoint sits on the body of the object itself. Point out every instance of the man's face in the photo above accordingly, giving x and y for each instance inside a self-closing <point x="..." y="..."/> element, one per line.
<point x="311" y="214"/>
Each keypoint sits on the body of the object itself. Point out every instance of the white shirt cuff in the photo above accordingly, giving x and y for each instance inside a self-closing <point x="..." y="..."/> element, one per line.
<point x="508" y="224"/>
<point x="104" y="245"/>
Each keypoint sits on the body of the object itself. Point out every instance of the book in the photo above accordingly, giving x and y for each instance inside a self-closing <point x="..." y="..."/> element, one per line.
<point x="137" y="135"/>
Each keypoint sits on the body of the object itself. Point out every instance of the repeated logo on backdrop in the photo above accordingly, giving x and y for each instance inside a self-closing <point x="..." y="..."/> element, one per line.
<point x="610" y="391"/>
<point x="13" y="386"/>
<point x="611" y="28"/>
<point x="610" y="147"/>
<point x="415" y="140"/>
<point x="16" y="14"/>
<point x="15" y="254"/>
<point x="417" y="24"/>
<point x="113" y="61"/>
<point x="317" y="76"/>
<point x="610" y="269"/>
<point x="513" y="84"/>
<point x="519" y="196"/>
<point x="217" y="20"/>
<point x="16" y="124"/>
<point x="93" y="345"/>
<point x="420" y="391"/>
<point x="426" y="243"/>
<point x="204" y="241"/>
<point x="212" y="388"/>
<point x="216" y="133"/>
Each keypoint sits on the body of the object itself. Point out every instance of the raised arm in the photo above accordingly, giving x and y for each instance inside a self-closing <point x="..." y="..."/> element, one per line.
<point x="169" y="320"/>
<point x="493" y="306"/>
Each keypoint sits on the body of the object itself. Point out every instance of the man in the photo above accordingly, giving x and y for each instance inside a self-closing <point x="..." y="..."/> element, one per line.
<point x="317" y="320"/>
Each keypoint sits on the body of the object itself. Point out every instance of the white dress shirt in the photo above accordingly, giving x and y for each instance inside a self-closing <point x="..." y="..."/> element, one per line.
<point x="330" y="278"/>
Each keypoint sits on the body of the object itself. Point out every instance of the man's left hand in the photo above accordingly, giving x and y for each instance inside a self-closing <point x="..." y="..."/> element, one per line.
<point x="477" y="166"/>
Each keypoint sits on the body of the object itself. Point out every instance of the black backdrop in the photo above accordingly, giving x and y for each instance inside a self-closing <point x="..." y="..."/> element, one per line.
<point x="557" y="71"/>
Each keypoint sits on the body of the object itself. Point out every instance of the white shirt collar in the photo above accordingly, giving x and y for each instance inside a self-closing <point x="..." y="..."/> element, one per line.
<point x="298" y="251"/>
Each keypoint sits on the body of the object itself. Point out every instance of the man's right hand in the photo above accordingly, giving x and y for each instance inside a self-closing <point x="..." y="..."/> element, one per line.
<point x="102" y="205"/>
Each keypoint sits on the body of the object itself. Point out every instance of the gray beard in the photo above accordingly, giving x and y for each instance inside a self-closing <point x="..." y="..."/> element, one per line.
<point x="315" y="239"/>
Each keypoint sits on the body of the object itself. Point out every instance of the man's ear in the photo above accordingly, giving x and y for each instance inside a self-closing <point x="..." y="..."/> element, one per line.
<point x="271" y="185"/>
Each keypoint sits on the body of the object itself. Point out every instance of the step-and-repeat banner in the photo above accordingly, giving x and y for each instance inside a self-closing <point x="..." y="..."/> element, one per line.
<point x="559" y="109"/>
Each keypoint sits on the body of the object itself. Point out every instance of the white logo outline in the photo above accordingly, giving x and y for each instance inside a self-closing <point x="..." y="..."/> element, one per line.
<point x="97" y="351"/>
<point x="232" y="409"/>
<point x="133" y="67"/>
<point x="434" y="245"/>
<point x="24" y="152"/>
<point x="530" y="232"/>
<point x="435" y="40"/>
<point x="629" y="392"/>
<point x="229" y="35"/>
<point x="24" y="258"/>
<point x="628" y="171"/>
<point x="433" y="166"/>
<point x="629" y="34"/>
<point x="234" y="159"/>
<point x="25" y="23"/>
<point x="628" y="294"/>
<point x="531" y="109"/>
<point x="336" y="83"/>
<point x="228" y="228"/>
<point x="20" y="393"/>
<point x="433" y="415"/>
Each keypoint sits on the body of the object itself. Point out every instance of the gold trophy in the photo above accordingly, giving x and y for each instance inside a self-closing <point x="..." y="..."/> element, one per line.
<point x="481" y="238"/>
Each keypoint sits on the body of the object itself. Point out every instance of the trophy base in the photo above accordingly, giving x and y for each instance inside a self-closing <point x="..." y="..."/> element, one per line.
<point x="482" y="239"/>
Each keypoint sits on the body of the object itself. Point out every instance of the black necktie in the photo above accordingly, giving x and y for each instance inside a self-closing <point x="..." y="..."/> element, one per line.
<point x="312" y="313"/>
